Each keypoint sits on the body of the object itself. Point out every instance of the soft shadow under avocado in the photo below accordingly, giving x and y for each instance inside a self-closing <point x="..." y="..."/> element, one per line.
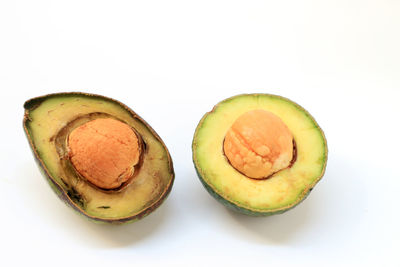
<point x="275" y="229"/>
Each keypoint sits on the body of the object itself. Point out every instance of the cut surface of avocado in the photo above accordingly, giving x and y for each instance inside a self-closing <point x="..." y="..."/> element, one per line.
<point x="49" y="122"/>
<point x="288" y="185"/>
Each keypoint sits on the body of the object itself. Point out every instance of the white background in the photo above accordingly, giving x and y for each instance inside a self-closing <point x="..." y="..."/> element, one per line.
<point x="171" y="61"/>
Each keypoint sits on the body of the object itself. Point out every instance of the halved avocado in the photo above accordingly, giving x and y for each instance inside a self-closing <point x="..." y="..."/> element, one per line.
<point x="279" y="190"/>
<point x="48" y="123"/>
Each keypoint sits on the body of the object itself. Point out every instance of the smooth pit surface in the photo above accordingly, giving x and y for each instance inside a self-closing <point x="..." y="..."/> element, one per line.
<point x="104" y="151"/>
<point x="258" y="144"/>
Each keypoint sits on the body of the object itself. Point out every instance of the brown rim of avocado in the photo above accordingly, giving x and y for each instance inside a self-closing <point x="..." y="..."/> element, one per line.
<point x="60" y="138"/>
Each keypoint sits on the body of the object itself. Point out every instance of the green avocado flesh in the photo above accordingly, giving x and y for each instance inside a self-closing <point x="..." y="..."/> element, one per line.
<point x="285" y="188"/>
<point x="49" y="120"/>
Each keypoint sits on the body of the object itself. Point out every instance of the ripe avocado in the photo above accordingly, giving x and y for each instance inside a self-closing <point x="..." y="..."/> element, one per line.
<point x="241" y="164"/>
<point x="98" y="155"/>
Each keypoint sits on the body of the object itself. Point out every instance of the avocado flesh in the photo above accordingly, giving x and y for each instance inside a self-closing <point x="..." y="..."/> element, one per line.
<point x="46" y="118"/>
<point x="284" y="189"/>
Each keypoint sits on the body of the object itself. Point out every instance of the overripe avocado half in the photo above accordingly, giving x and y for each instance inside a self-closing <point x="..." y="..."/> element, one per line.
<point x="49" y="120"/>
<point x="282" y="190"/>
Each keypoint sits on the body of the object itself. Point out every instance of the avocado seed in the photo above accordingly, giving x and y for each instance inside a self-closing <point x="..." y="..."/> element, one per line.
<point x="258" y="144"/>
<point x="104" y="151"/>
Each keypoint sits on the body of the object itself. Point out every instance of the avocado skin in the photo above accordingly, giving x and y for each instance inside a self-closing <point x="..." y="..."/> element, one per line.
<point x="62" y="194"/>
<point x="236" y="207"/>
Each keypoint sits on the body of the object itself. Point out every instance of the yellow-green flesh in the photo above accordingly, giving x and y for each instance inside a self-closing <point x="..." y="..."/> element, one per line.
<point x="286" y="187"/>
<point x="146" y="188"/>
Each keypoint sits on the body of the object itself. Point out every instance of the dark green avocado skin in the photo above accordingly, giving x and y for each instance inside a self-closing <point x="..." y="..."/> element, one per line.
<point x="60" y="192"/>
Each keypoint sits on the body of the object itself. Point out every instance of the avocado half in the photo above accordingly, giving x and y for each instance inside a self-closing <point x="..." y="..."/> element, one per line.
<point x="276" y="193"/>
<point x="49" y="120"/>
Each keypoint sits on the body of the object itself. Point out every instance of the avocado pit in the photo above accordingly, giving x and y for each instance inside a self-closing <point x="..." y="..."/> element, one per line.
<point x="259" y="144"/>
<point x="104" y="151"/>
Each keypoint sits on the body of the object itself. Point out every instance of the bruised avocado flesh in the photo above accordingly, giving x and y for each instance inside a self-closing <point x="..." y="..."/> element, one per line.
<point x="53" y="125"/>
<point x="289" y="176"/>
